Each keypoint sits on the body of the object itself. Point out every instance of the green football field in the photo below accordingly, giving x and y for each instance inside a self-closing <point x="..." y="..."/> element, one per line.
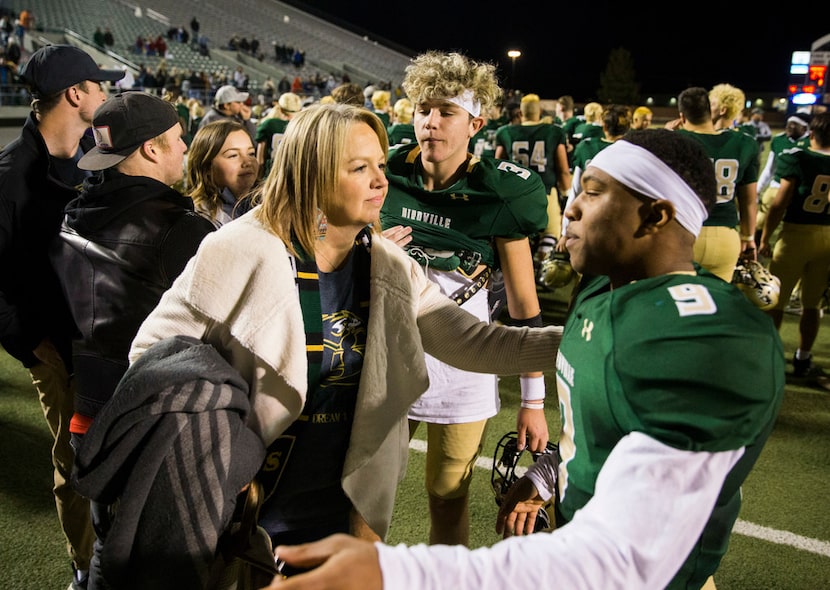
<point x="781" y="541"/>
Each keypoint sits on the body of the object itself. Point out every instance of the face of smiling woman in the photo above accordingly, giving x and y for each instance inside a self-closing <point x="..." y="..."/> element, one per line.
<point x="235" y="166"/>
<point x="362" y="184"/>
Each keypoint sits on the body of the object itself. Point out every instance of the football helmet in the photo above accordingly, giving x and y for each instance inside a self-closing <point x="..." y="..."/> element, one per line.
<point x="756" y="282"/>
<point x="508" y="467"/>
<point x="556" y="270"/>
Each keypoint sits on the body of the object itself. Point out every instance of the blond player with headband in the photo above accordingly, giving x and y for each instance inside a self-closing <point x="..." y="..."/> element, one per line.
<point x="659" y="429"/>
<point x="470" y="217"/>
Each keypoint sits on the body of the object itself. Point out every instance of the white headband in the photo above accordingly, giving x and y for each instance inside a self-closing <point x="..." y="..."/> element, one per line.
<point x="466" y="100"/>
<point x="796" y="119"/>
<point x="640" y="170"/>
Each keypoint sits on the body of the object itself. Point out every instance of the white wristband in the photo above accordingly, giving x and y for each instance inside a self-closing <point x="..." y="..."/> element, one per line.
<point x="532" y="388"/>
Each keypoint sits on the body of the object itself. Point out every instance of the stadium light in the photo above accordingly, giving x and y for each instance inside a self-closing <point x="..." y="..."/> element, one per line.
<point x="513" y="54"/>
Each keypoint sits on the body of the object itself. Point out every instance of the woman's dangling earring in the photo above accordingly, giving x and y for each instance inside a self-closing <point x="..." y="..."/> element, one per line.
<point x="322" y="225"/>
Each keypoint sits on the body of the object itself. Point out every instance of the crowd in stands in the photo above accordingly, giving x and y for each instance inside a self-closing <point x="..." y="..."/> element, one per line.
<point x="161" y="70"/>
<point x="13" y="28"/>
<point x="237" y="43"/>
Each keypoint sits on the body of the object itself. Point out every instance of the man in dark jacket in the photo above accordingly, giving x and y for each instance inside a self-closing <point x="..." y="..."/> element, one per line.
<point x="38" y="176"/>
<point x="124" y="239"/>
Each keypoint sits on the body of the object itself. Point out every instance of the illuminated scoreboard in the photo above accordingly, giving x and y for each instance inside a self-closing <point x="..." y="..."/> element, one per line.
<point x="808" y="79"/>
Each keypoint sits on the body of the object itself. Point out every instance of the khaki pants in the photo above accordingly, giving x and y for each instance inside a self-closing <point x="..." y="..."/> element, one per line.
<point x="554" y="226"/>
<point x="717" y="249"/>
<point x="452" y="450"/>
<point x="56" y="392"/>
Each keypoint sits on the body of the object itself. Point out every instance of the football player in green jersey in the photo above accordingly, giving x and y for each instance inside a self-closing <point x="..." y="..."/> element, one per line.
<point x="566" y="119"/>
<point x="271" y="129"/>
<point x="743" y="124"/>
<point x="469" y="216"/>
<point x="592" y="125"/>
<point x="541" y="147"/>
<point x="401" y="130"/>
<point x="796" y="134"/>
<point x="669" y="383"/>
<point x="616" y="121"/>
<point x="382" y="105"/>
<point x="483" y="143"/>
<point x="729" y="232"/>
<point x="802" y="250"/>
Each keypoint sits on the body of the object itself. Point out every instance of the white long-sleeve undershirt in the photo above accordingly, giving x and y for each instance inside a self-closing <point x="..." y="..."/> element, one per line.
<point x="650" y="505"/>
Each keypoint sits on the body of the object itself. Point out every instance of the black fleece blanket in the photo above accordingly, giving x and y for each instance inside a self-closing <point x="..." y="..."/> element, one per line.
<point x="171" y="451"/>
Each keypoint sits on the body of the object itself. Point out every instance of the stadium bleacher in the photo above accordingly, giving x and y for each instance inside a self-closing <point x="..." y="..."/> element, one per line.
<point x="328" y="48"/>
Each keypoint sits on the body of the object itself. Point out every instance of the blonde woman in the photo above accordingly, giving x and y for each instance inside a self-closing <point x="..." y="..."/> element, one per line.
<point x="329" y="328"/>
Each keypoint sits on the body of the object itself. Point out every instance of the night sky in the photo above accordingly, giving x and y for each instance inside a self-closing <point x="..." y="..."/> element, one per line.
<point x="564" y="51"/>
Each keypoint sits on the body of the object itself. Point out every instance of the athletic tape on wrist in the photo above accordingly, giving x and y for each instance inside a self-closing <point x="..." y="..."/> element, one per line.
<point x="532" y="388"/>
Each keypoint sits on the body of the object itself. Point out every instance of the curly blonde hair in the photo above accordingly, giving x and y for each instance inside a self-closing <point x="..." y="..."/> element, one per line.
<point x="436" y="74"/>
<point x="730" y="98"/>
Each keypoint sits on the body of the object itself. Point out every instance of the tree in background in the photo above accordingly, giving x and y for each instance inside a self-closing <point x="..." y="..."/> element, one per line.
<point x="618" y="83"/>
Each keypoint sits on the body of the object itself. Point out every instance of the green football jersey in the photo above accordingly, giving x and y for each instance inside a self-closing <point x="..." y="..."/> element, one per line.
<point x="585" y="130"/>
<point x="735" y="156"/>
<point x="270" y="131"/>
<point x="587" y="149"/>
<point x="686" y="360"/>
<point x="811" y="171"/>
<point x="749" y="129"/>
<point x="782" y="142"/>
<point x="533" y="146"/>
<point x="401" y="133"/>
<point x="569" y="127"/>
<point x="384" y="117"/>
<point x="483" y="143"/>
<point x="454" y="227"/>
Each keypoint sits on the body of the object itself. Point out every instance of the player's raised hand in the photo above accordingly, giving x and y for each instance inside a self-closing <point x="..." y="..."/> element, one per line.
<point x="518" y="510"/>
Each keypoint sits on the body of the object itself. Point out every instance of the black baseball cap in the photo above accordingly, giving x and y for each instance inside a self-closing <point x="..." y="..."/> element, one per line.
<point x="122" y="123"/>
<point x="53" y="68"/>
